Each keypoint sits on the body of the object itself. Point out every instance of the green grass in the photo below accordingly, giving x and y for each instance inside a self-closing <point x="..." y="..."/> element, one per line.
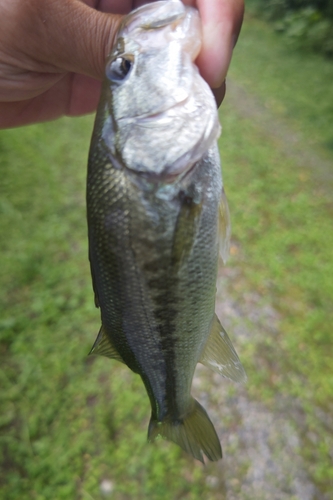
<point x="68" y="421"/>
<point x="282" y="214"/>
<point x="293" y="85"/>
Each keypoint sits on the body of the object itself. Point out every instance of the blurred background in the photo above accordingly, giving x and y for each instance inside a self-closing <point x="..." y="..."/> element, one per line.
<point x="73" y="426"/>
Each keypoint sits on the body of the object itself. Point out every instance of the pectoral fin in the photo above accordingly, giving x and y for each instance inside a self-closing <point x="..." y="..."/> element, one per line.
<point x="185" y="230"/>
<point x="104" y="347"/>
<point x="220" y="356"/>
<point x="224" y="227"/>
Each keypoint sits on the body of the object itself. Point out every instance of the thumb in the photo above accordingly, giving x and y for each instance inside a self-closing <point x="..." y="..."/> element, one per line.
<point x="66" y="35"/>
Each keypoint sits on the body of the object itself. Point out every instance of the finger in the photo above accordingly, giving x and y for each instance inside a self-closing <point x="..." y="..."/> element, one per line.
<point x="65" y="36"/>
<point x="221" y="23"/>
<point x="219" y="93"/>
<point x="138" y="3"/>
<point x="84" y="95"/>
<point x="73" y="95"/>
<point x="112" y="6"/>
<point x="116" y="6"/>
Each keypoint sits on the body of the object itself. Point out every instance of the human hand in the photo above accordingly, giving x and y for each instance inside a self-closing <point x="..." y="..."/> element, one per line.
<point x="52" y="53"/>
<point x="221" y="24"/>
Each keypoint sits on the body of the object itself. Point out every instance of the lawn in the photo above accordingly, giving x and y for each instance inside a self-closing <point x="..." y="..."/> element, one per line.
<point x="73" y="426"/>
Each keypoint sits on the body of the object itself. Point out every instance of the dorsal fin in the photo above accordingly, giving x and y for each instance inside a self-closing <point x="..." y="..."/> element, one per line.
<point x="103" y="346"/>
<point x="220" y="356"/>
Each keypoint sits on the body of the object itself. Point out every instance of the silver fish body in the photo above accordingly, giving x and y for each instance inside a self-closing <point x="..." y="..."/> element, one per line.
<point x="156" y="218"/>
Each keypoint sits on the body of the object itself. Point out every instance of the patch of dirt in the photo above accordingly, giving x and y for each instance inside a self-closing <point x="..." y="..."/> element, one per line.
<point x="262" y="446"/>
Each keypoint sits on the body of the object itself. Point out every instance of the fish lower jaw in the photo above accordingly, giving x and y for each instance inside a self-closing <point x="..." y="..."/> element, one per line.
<point x="149" y="119"/>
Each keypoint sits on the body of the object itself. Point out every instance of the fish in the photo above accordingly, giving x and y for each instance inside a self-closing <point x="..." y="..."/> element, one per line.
<point x="158" y="218"/>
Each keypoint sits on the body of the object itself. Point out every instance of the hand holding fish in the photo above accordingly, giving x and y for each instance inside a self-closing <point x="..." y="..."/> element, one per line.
<point x="52" y="53"/>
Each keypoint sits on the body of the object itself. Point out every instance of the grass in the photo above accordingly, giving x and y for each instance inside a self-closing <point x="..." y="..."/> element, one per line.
<point x="282" y="222"/>
<point x="69" y="421"/>
<point x="65" y="422"/>
<point x="294" y="86"/>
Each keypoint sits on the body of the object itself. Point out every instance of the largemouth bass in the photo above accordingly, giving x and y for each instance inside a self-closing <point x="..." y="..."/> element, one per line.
<point x="156" y="218"/>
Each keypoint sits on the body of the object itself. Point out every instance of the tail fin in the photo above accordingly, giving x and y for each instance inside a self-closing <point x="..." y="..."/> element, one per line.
<point x="195" y="433"/>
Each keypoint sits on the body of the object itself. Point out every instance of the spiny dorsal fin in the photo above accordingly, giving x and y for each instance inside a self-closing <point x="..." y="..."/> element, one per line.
<point x="104" y="347"/>
<point x="220" y="356"/>
<point x="194" y="433"/>
<point x="224" y="227"/>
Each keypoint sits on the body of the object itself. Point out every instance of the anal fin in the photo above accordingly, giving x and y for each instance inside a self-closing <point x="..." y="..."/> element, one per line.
<point x="220" y="356"/>
<point x="103" y="346"/>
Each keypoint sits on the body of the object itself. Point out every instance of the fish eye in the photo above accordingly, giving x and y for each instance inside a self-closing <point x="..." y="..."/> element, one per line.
<point x="119" y="69"/>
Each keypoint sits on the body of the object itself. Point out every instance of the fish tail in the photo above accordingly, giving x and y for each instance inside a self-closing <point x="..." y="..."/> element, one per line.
<point x="195" y="433"/>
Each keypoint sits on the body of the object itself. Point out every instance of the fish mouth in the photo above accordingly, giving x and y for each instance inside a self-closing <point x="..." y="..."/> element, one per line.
<point x="185" y="156"/>
<point x="149" y="119"/>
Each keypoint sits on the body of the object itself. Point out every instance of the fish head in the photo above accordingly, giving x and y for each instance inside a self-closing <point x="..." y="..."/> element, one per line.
<point x="159" y="115"/>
